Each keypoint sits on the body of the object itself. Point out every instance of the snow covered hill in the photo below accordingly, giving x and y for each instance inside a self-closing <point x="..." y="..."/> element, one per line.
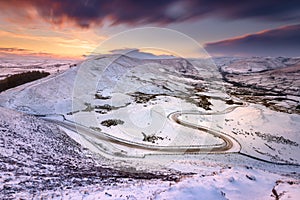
<point x="38" y="160"/>
<point x="272" y="82"/>
<point x="10" y="65"/>
<point x="55" y="94"/>
<point x="36" y="157"/>
<point x="116" y="125"/>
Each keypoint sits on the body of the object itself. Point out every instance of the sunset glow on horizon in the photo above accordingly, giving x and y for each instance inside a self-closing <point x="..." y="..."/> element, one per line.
<point x="68" y="29"/>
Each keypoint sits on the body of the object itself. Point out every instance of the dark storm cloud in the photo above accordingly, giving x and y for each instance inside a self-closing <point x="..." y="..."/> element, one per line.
<point x="284" y="41"/>
<point x="87" y="12"/>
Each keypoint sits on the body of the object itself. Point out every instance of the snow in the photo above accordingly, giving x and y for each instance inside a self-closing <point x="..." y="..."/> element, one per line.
<point x="271" y="82"/>
<point x="212" y="182"/>
<point x="34" y="97"/>
<point x="288" y="189"/>
<point x="47" y="157"/>
<point x="254" y="64"/>
<point x="234" y="183"/>
<point x="15" y="65"/>
<point x="245" y="124"/>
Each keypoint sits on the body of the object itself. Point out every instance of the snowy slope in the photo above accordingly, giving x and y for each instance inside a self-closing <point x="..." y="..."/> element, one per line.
<point x="18" y="64"/>
<point x="39" y="160"/>
<point x="36" y="156"/>
<point x="55" y="94"/>
<point x="272" y="82"/>
<point x="48" y="95"/>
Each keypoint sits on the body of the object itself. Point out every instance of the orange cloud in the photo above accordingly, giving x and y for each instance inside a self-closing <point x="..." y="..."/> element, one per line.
<point x="282" y="41"/>
<point x="71" y="44"/>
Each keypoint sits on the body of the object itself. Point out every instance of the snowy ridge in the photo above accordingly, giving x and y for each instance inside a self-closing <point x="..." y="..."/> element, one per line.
<point x="130" y="99"/>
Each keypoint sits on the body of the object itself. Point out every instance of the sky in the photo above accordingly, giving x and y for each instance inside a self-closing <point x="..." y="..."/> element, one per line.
<point x="68" y="28"/>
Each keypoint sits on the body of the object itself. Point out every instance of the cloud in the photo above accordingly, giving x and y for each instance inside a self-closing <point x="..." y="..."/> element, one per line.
<point x="85" y="13"/>
<point x="13" y="50"/>
<point x="283" y="41"/>
<point x="18" y="52"/>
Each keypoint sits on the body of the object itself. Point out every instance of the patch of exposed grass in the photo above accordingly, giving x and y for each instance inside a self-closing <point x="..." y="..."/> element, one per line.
<point x="111" y="122"/>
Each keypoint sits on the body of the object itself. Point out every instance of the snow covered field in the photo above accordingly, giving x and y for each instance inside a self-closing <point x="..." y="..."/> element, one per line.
<point x="172" y="128"/>
<point x="273" y="82"/>
<point x="14" y="65"/>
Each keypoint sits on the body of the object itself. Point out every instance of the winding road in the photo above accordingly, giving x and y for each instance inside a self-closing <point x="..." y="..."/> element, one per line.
<point x="229" y="144"/>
